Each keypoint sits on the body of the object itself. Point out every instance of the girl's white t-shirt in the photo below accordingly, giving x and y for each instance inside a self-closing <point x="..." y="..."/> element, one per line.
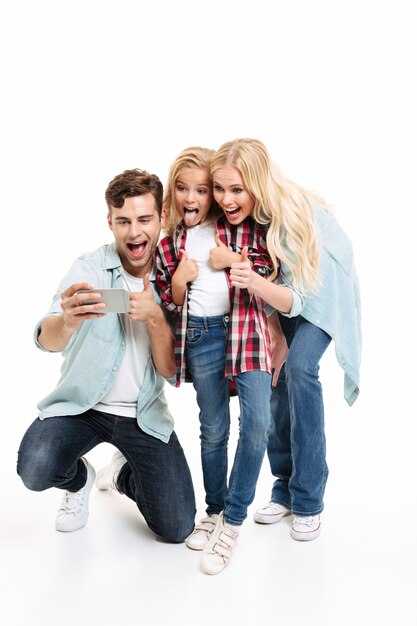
<point x="121" y="399"/>
<point x="208" y="294"/>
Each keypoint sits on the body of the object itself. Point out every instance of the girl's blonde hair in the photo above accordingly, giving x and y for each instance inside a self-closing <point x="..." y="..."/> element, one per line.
<point x="280" y="203"/>
<point x="193" y="158"/>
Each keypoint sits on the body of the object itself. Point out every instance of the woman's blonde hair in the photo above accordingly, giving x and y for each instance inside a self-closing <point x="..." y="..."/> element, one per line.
<point x="193" y="158"/>
<point x="279" y="203"/>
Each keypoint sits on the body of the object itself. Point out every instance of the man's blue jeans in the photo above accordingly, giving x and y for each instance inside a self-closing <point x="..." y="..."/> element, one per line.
<point x="206" y="358"/>
<point x="156" y="476"/>
<point x="297" y="444"/>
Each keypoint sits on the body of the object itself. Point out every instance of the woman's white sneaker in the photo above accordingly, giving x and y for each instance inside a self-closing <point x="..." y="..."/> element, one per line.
<point x="73" y="512"/>
<point x="271" y="513"/>
<point x="305" y="528"/>
<point x="200" y="536"/>
<point x="218" y="552"/>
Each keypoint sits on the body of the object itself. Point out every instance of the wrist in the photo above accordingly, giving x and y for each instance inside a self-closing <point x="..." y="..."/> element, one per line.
<point x="156" y="316"/>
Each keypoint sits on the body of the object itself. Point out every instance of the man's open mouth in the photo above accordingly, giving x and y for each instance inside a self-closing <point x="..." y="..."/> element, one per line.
<point x="137" y="249"/>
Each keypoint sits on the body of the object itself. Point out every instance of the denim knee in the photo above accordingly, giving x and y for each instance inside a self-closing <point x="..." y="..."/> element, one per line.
<point x="255" y="432"/>
<point x="212" y="438"/>
<point x="299" y="371"/>
<point x="37" y="469"/>
<point x="176" y="532"/>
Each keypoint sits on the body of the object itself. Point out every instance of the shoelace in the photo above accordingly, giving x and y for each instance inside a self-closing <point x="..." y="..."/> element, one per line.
<point x="274" y="507"/>
<point x="307" y="521"/>
<point x="72" y="502"/>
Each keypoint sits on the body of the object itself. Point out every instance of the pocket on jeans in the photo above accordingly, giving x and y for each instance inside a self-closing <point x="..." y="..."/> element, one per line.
<point x="194" y="336"/>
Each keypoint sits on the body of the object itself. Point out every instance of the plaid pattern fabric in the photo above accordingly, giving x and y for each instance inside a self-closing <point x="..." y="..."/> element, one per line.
<point x="248" y="345"/>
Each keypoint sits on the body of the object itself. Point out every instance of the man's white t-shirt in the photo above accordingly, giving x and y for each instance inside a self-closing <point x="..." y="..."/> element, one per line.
<point x="121" y="399"/>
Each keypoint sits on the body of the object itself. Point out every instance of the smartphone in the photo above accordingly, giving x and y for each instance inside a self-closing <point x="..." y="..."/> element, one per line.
<point x="116" y="300"/>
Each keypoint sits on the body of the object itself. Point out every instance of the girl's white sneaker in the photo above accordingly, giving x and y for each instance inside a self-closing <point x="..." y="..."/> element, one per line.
<point x="200" y="536"/>
<point x="305" y="528"/>
<point x="271" y="513"/>
<point x="218" y="552"/>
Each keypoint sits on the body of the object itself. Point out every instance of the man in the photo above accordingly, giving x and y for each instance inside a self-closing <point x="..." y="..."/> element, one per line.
<point x="111" y="385"/>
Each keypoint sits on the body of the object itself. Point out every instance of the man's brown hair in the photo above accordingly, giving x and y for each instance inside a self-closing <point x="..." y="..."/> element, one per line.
<point x="133" y="183"/>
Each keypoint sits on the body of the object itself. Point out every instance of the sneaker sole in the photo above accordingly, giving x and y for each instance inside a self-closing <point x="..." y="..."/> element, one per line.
<point x="309" y="536"/>
<point x="68" y="529"/>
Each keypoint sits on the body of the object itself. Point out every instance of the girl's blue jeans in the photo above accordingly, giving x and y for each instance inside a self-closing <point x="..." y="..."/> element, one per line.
<point x="206" y="357"/>
<point x="297" y="444"/>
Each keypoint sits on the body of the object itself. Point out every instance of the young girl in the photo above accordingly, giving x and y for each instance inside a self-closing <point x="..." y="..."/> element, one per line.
<point x="317" y="270"/>
<point x="221" y="333"/>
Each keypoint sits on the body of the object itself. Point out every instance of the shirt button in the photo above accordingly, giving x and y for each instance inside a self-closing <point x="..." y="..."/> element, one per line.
<point x="114" y="369"/>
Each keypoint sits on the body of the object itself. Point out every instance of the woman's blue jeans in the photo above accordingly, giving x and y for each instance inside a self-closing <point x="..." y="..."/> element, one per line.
<point x="156" y="475"/>
<point x="206" y="357"/>
<point x="297" y="444"/>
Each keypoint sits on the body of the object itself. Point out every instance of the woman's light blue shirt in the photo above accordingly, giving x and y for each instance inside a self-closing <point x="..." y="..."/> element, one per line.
<point x="335" y="306"/>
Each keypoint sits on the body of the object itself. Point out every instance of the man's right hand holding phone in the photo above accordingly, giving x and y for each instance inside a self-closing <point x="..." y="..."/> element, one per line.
<point x="57" y="330"/>
<point x="76" y="307"/>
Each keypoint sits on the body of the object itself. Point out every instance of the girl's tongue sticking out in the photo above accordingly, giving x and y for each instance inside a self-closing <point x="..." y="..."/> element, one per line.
<point x="191" y="217"/>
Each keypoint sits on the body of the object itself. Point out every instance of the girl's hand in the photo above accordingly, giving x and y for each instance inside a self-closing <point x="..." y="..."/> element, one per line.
<point x="241" y="274"/>
<point x="186" y="271"/>
<point x="222" y="257"/>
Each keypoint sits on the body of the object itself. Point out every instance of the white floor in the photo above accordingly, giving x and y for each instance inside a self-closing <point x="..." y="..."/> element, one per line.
<point x="360" y="572"/>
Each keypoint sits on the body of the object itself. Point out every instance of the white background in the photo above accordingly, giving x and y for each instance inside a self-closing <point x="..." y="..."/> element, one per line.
<point x="90" y="89"/>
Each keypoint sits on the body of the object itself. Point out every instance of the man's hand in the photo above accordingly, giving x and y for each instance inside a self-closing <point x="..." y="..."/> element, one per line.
<point x="222" y="257"/>
<point x="143" y="307"/>
<point x="57" y="330"/>
<point x="76" y="308"/>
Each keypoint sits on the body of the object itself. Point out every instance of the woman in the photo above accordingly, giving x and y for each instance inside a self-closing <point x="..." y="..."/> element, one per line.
<point x="313" y="261"/>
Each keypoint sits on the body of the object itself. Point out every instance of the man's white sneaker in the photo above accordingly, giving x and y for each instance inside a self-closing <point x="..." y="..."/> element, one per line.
<point x="218" y="552"/>
<point x="271" y="513"/>
<point x="73" y="512"/>
<point x="305" y="528"/>
<point x="200" y="536"/>
<point x="107" y="476"/>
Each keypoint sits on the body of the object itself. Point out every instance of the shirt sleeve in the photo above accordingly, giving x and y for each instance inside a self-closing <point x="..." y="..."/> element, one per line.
<point x="166" y="264"/>
<point x="298" y="298"/>
<point x="80" y="272"/>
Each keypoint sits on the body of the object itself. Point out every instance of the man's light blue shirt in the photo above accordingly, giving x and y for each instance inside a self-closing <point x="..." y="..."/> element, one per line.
<point x="93" y="356"/>
<point x="335" y="307"/>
